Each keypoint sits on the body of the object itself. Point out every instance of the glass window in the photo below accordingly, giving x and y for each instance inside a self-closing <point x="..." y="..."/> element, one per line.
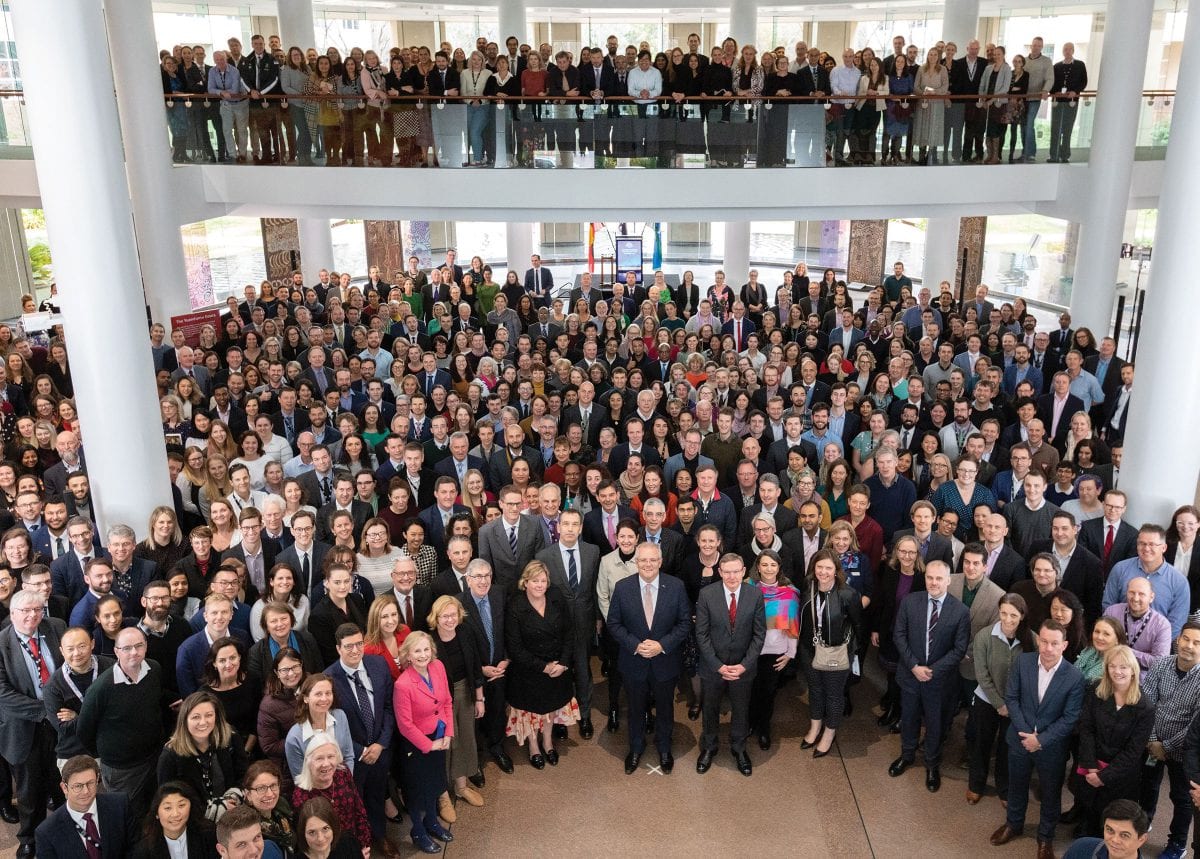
<point x="1027" y="255"/>
<point x="906" y="243"/>
<point x="223" y="255"/>
<point x="349" y="246"/>
<point x="347" y="33"/>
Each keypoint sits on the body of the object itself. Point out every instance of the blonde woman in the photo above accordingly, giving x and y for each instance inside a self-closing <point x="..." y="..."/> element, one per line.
<point x="216" y="483"/>
<point x="929" y="122"/>
<point x="460" y="651"/>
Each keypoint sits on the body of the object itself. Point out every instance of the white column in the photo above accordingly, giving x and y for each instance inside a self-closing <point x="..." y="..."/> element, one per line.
<point x="941" y="253"/>
<point x="316" y="246"/>
<point x="512" y="21"/>
<point x="961" y="23"/>
<point x="296" y="24"/>
<point x="16" y="277"/>
<point x="86" y="201"/>
<point x="737" y="251"/>
<point x="148" y="159"/>
<point x="1157" y="471"/>
<point x="743" y="21"/>
<point x="518" y="242"/>
<point x="1110" y="167"/>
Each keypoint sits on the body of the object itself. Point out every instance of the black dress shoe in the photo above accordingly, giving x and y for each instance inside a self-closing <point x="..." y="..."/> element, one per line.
<point x="806" y="745"/>
<point x="743" y="763"/>
<point x="886" y="717"/>
<point x="559" y="732"/>
<point x="764" y="741"/>
<point x="26" y="851"/>
<point x="9" y="814"/>
<point x="537" y="762"/>
<point x="552" y="757"/>
<point x="479" y="780"/>
<point x="614" y="722"/>
<point x="585" y="729"/>
<point x="1069" y="817"/>
<point x="899" y="765"/>
<point x="667" y="763"/>
<point x="631" y="762"/>
<point x="704" y="762"/>
<point x="422" y="842"/>
<point x="503" y="761"/>
<point x="693" y="713"/>
<point x="933" y="780"/>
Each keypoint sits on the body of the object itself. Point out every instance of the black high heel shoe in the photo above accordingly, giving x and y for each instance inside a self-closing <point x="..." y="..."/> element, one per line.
<point x="805" y="744"/>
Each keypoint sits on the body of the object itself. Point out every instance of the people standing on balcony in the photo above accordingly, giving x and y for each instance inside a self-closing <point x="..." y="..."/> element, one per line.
<point x="533" y="84"/>
<point x="844" y="81"/>
<point x="354" y="117"/>
<point x="965" y="77"/>
<point x="866" y="124"/>
<point x="1040" y="69"/>
<point x="293" y="80"/>
<point x="929" y="120"/>
<point x="329" y="112"/>
<point x="475" y="81"/>
<point x="225" y="82"/>
<point x="996" y="79"/>
<point x="1070" y="79"/>
<point x="378" y="130"/>
<point x="1014" y="111"/>
<point x="260" y="74"/>
<point x="897" y="123"/>
<point x="175" y="85"/>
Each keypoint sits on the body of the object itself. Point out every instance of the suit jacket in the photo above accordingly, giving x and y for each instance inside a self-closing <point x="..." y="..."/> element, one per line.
<point x="440" y="377"/>
<point x="1091" y="537"/>
<point x="591" y="78"/>
<point x="785" y="520"/>
<point x="539" y="280"/>
<point x="143" y="573"/>
<point x="381" y="694"/>
<point x="433" y="81"/>
<point x="671" y="626"/>
<point x="291" y="557"/>
<point x="675" y="550"/>
<point x="984" y="612"/>
<point x="22" y="710"/>
<point x="1045" y="411"/>
<point x="270" y="552"/>
<point x="418" y="708"/>
<point x="199" y="375"/>
<point x="747" y="329"/>
<point x="951" y="637"/>
<point x="201" y="841"/>
<point x="582" y="600"/>
<point x="422" y="600"/>
<point x="1032" y="375"/>
<point x="445" y="583"/>
<point x="1082" y="577"/>
<point x="66" y="575"/>
<point x="573" y="415"/>
<point x="496" y="604"/>
<point x="1112" y="376"/>
<point x="1055" y="716"/>
<point x="619" y="458"/>
<point x="258" y="660"/>
<point x="1009" y="568"/>
<point x="57" y="837"/>
<point x="808" y="83"/>
<point x="593" y="526"/>
<point x="310" y="482"/>
<point x="939" y="548"/>
<point x="1059" y="346"/>
<point x="500" y="467"/>
<point x="311" y="373"/>
<point x="435" y="533"/>
<point x="448" y="468"/>
<point x="360" y="511"/>
<point x="495" y="549"/>
<point x="718" y="643"/>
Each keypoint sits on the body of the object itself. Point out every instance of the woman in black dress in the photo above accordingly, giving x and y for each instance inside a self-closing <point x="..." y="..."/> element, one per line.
<point x="540" y="639"/>
<point x="225" y="676"/>
<point x="902" y="574"/>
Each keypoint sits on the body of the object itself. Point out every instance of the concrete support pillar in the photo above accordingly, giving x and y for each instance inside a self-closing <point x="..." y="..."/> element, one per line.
<point x="1110" y="167"/>
<point x="16" y="277"/>
<point x="961" y="23"/>
<point x="941" y="252"/>
<point x="316" y="246"/>
<point x="512" y="20"/>
<point x="147" y="159"/>
<point x="737" y="251"/>
<point x="1157" y="471"/>
<point x="296" y="24"/>
<point x="743" y="21"/>
<point x="87" y="204"/>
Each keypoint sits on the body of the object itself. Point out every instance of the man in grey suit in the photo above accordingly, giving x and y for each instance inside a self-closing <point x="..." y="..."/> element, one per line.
<point x="730" y="629"/>
<point x="573" y="567"/>
<point x="510" y="541"/>
<point x="487" y="621"/>
<point x="933" y="546"/>
<point x="188" y="367"/>
<point x="29" y="650"/>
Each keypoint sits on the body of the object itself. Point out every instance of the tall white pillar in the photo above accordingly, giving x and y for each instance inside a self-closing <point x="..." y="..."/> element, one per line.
<point x="316" y="246"/>
<point x="512" y="20"/>
<point x="941" y="253"/>
<point x="737" y="251"/>
<point x="1110" y="167"/>
<point x="961" y="23"/>
<point x="743" y="21"/>
<point x="88" y="215"/>
<point x="518" y="243"/>
<point x="16" y="276"/>
<point x="296" y="24"/>
<point x="148" y="159"/>
<point x="1157" y="471"/>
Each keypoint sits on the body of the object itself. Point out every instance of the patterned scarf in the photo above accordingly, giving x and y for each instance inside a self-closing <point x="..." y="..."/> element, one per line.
<point x="782" y="605"/>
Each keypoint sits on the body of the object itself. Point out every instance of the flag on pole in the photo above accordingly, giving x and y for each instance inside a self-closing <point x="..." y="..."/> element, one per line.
<point x="656" y="263"/>
<point x="591" y="247"/>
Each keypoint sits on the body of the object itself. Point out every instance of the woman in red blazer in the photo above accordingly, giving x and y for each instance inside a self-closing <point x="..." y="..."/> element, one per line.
<point x="424" y="707"/>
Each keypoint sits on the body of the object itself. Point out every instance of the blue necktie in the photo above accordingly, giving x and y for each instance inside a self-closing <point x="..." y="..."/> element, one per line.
<point x="485" y="617"/>
<point x="512" y="539"/>
<point x="572" y="571"/>
<point x="364" y="705"/>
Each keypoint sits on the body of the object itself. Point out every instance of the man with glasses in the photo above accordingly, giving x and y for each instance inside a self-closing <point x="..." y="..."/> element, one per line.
<point x="36" y="578"/>
<point x="1172" y="593"/>
<point x="29" y="649"/>
<point x="510" y="541"/>
<point x="164" y="634"/>
<point x="306" y="554"/>
<point x="1110" y="537"/>
<point x="99" y="823"/>
<point x="363" y="686"/>
<point x="227" y="582"/>
<point x="485" y="604"/>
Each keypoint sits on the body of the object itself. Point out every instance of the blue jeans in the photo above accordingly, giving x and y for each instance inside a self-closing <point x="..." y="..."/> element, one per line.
<point x="303" y="138"/>
<point x="1031" y="111"/>
<point x="478" y="120"/>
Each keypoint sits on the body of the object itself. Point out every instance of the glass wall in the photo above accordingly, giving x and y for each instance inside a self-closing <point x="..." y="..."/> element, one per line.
<point x="197" y="24"/>
<point x="1031" y="256"/>
<point x="878" y="35"/>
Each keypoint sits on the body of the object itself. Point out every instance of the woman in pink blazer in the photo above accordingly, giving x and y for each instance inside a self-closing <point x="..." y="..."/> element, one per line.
<point x="424" y="707"/>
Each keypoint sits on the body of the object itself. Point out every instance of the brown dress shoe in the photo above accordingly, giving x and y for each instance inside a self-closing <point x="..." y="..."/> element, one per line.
<point x="972" y="797"/>
<point x="1003" y="835"/>
<point x="1045" y="850"/>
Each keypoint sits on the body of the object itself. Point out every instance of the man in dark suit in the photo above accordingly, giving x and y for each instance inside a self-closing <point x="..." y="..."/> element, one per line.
<point x="573" y="566"/>
<point x="1067" y="405"/>
<point x="109" y="830"/>
<point x="587" y="414"/>
<point x="933" y="546"/>
<point x="442" y="78"/>
<point x="635" y="432"/>
<point x="510" y="541"/>
<point x="813" y="79"/>
<point x="1061" y="342"/>
<point x="500" y="467"/>
<point x="1005" y="565"/>
<point x="1110" y="538"/>
<point x="730" y="630"/>
<point x="432" y="377"/>
<point x="343" y="499"/>
<point x="66" y="573"/>
<point x="459" y="462"/>
<point x="29" y="655"/>
<point x="1042" y="716"/>
<point x="362" y="685"/>
<point x="769" y="492"/>
<point x="649" y="618"/>
<point x="1116" y="408"/>
<point x="306" y="554"/>
<point x="673" y="543"/>
<point x="739" y="327"/>
<point x="437" y="516"/>
<point x="539" y="282"/>
<point x="1083" y="575"/>
<point x="485" y="603"/>
<point x="600" y="524"/>
<point x="415" y="600"/>
<point x="932" y="634"/>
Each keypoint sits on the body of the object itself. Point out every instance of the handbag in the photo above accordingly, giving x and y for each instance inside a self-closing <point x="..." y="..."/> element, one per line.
<point x="828" y="657"/>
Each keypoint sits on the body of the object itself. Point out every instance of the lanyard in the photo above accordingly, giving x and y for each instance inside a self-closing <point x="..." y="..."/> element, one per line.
<point x="1141" y="627"/>
<point x="66" y="672"/>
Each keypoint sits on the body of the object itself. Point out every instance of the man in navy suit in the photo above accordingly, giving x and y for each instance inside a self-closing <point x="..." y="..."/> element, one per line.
<point x="538" y="282"/>
<point x="437" y="516"/>
<point x="107" y="824"/>
<point x="362" y="685"/>
<point x="432" y="377"/>
<point x="933" y="630"/>
<point x="66" y="573"/>
<point x="600" y="524"/>
<point x="650" y="618"/>
<point x="485" y="615"/>
<point x="459" y="462"/>
<point x="1044" y="699"/>
<point x="1069" y="404"/>
<point x="739" y="327"/>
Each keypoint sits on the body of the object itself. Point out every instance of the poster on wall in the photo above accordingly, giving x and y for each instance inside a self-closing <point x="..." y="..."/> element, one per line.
<point x="414" y="236"/>
<point x="281" y="248"/>
<point x="191" y="323"/>
<point x="198" y="264"/>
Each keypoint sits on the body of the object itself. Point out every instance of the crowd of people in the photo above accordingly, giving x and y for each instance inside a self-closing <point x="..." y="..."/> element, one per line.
<point x="411" y="520"/>
<point x="292" y="104"/>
